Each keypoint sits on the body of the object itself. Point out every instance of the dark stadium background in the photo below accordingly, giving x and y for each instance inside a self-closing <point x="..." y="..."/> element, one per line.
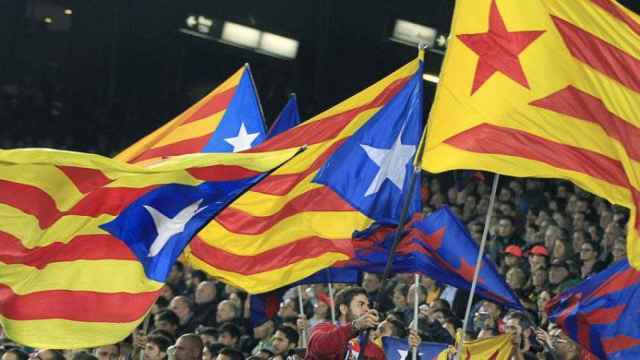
<point x="115" y="70"/>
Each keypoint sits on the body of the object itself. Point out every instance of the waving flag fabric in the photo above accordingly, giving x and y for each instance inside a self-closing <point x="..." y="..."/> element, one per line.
<point x="437" y="246"/>
<point x="398" y="349"/>
<point x="289" y="117"/>
<point x="544" y="88"/>
<point x="87" y="241"/>
<point x="288" y="226"/>
<point x="493" y="348"/>
<point x="229" y="119"/>
<point x="601" y="313"/>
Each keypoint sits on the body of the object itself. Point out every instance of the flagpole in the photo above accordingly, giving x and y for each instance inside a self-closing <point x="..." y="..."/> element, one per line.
<point x="416" y="298"/>
<point x="476" y="273"/>
<point x="333" y="310"/>
<point x="406" y="201"/>
<point x="255" y="90"/>
<point x="301" y="312"/>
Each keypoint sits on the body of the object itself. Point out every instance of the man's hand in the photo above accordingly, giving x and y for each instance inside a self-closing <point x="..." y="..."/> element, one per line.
<point x="414" y="338"/>
<point x="366" y="321"/>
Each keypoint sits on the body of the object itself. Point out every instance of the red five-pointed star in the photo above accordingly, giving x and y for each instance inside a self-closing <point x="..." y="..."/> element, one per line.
<point x="498" y="50"/>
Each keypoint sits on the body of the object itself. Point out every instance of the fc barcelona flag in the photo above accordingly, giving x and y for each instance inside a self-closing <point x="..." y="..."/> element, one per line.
<point x="543" y="88"/>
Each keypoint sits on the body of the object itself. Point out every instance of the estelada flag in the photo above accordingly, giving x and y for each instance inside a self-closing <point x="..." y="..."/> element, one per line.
<point x="86" y="242"/>
<point x="229" y="119"/>
<point x="299" y="220"/>
<point x="543" y="88"/>
<point x="493" y="348"/>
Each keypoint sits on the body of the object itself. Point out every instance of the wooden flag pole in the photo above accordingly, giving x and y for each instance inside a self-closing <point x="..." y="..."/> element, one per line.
<point x="476" y="273"/>
<point x="331" y="302"/>
<point x="301" y="306"/>
<point x="416" y="299"/>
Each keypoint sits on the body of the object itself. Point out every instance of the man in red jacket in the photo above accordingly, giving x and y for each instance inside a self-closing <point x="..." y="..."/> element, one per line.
<point x="333" y="342"/>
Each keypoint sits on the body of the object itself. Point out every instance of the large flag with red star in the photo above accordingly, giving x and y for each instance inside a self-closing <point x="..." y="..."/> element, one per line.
<point x="543" y="88"/>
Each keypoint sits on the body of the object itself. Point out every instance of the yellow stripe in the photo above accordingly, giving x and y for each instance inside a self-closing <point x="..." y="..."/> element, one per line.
<point x="49" y="179"/>
<point x="195" y="129"/>
<point x="26" y="227"/>
<point x="103" y="276"/>
<point x="451" y="158"/>
<point x="368" y="94"/>
<point x="148" y="141"/>
<point x="66" y="334"/>
<point x="325" y="224"/>
<point x="258" y="204"/>
<point x="593" y="19"/>
<point x="269" y="280"/>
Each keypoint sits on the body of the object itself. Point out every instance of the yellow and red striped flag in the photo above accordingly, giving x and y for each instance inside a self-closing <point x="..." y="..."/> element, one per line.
<point x="86" y="242"/>
<point x="543" y="88"/>
<point x="288" y="226"/>
<point x="207" y="124"/>
<point x="493" y="348"/>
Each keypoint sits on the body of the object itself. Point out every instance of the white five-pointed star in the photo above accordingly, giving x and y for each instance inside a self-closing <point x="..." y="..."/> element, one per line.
<point x="403" y="354"/>
<point x="392" y="163"/>
<point x="166" y="227"/>
<point x="243" y="140"/>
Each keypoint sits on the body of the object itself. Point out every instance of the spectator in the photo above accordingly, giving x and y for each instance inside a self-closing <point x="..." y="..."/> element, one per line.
<point x="263" y="334"/>
<point x="284" y="340"/>
<point x="538" y="256"/>
<point x="82" y="355"/>
<point x="589" y="253"/>
<point x="372" y="283"/>
<point x="560" y="276"/>
<point x="230" y="354"/>
<point x="205" y="303"/>
<point x="168" y="321"/>
<point x="226" y="312"/>
<point x="15" y="354"/>
<point x="619" y="250"/>
<point x="512" y="258"/>
<point x="208" y="334"/>
<point x="188" y="347"/>
<point x="156" y="347"/>
<point x="182" y="306"/>
<point x="107" y="352"/>
<point x="330" y="341"/>
<point x="49" y="354"/>
<point x="229" y="335"/>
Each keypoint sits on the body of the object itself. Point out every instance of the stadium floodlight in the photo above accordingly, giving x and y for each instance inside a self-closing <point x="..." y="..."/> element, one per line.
<point x="413" y="34"/>
<point x="431" y="78"/>
<point x="240" y="35"/>
<point x="277" y="45"/>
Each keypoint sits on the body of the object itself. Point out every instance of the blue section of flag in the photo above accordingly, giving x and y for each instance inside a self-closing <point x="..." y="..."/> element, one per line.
<point x="184" y="210"/>
<point x="601" y="313"/>
<point x="373" y="168"/>
<point x="437" y="246"/>
<point x="398" y="349"/>
<point x="288" y="118"/>
<point x="243" y="111"/>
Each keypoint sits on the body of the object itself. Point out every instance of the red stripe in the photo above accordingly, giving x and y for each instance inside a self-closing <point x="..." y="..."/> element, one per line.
<point x="82" y="247"/>
<point x="600" y="55"/>
<point x="492" y="139"/>
<point x="320" y="199"/>
<point x="618" y="282"/>
<point x="282" y="184"/>
<point x="85" y="179"/>
<point x="329" y="127"/>
<point x="610" y="7"/>
<point x="604" y="316"/>
<point x="221" y="173"/>
<point x="31" y="200"/>
<point x="619" y="343"/>
<point x="581" y="105"/>
<point x="216" y="104"/>
<point x="86" y="306"/>
<point x="273" y="259"/>
<point x="188" y="146"/>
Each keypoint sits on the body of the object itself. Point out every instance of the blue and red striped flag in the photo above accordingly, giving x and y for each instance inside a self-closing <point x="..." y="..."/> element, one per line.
<point x="601" y="313"/>
<point x="437" y="246"/>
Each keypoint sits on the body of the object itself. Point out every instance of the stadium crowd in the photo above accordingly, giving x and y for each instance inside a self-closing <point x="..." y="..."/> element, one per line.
<point x="544" y="237"/>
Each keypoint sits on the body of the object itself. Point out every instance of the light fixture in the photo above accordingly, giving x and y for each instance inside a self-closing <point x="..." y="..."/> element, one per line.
<point x="240" y="35"/>
<point x="431" y="78"/>
<point x="413" y="34"/>
<point x="68" y="12"/>
<point x="48" y="20"/>
<point x="278" y="45"/>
